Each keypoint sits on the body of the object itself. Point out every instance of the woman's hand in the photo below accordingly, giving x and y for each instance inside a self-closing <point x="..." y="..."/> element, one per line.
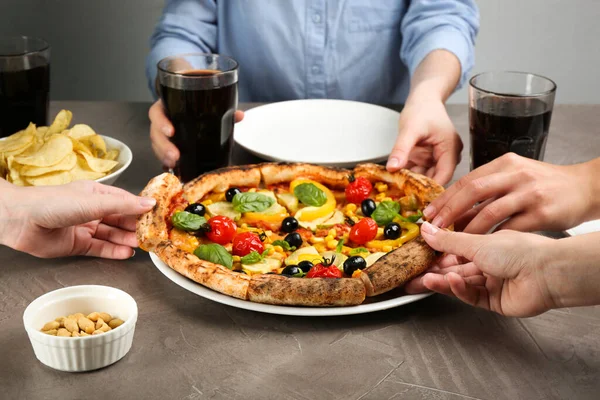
<point x="81" y="218"/>
<point x="526" y="194"/>
<point x="161" y="130"/>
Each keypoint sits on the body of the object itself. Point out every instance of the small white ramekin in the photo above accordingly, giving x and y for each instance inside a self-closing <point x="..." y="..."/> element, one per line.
<point x="83" y="353"/>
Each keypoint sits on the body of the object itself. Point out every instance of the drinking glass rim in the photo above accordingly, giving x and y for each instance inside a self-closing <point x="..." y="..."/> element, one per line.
<point x="44" y="46"/>
<point x="228" y="71"/>
<point x="540" y="94"/>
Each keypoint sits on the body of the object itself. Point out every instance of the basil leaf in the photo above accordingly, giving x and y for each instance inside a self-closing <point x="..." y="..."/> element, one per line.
<point x="187" y="221"/>
<point x="358" y="250"/>
<point x="300" y="274"/>
<point x="310" y="195"/>
<point x="214" y="253"/>
<point x="251" y="202"/>
<point x="340" y="245"/>
<point x="385" y="212"/>
<point x="252" y="258"/>
<point x="415" y="217"/>
<point x="285" y="245"/>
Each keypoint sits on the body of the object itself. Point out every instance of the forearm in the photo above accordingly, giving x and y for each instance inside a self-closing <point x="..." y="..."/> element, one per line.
<point x="436" y="77"/>
<point x="5" y="193"/>
<point x="590" y="173"/>
<point x="572" y="272"/>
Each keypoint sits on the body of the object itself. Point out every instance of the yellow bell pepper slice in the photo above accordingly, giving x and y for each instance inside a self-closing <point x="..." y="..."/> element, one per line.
<point x="311" y="213"/>
<point x="412" y="231"/>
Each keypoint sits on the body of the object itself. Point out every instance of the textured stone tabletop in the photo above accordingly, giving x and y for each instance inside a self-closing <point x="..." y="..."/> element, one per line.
<point x="187" y="347"/>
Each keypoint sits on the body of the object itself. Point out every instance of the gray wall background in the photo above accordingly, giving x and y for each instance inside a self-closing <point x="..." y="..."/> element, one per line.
<point x="99" y="46"/>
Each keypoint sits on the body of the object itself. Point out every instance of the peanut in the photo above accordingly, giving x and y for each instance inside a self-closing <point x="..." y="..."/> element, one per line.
<point x="115" y="322"/>
<point x="63" y="332"/>
<point x="105" y="328"/>
<point x="71" y="325"/>
<point x="99" y="323"/>
<point x="84" y="334"/>
<point x="51" y="332"/>
<point x="75" y="334"/>
<point x="85" y="324"/>
<point x="97" y="332"/>
<point x="51" y="325"/>
<point x="105" y="316"/>
<point x="94" y="316"/>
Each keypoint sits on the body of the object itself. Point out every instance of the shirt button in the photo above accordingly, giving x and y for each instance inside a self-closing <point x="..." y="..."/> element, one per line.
<point x="315" y="69"/>
<point x="316" y="18"/>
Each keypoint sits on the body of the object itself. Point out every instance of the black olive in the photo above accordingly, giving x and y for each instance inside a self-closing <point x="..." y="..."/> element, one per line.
<point x="305" y="265"/>
<point x="196" y="208"/>
<point x="367" y="207"/>
<point x="231" y="192"/>
<point x="291" y="270"/>
<point x="294" y="239"/>
<point x="353" y="263"/>
<point x="392" y="231"/>
<point x="289" y="224"/>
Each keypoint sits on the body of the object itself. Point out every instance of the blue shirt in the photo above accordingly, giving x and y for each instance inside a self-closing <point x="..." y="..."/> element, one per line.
<point x="340" y="49"/>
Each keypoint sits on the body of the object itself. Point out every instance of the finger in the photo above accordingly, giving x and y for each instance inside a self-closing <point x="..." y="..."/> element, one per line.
<point x="104" y="249"/>
<point x="239" y="116"/>
<point x="163" y="148"/>
<point x="450" y="260"/>
<point x="400" y="153"/>
<point x="495" y="166"/>
<point x="460" y="244"/>
<point x="418" y="170"/>
<point x="430" y="172"/>
<point x="474" y="295"/>
<point x="465" y="270"/>
<point x="116" y="235"/>
<point x="493" y="185"/>
<point x="161" y="130"/>
<point x="437" y="283"/>
<point x="448" y="159"/>
<point x="126" y="222"/>
<point x="521" y="222"/>
<point x="496" y="212"/>
<point x="461" y="222"/>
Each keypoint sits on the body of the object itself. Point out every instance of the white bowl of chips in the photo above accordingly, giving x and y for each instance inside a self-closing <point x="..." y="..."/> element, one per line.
<point x="60" y="153"/>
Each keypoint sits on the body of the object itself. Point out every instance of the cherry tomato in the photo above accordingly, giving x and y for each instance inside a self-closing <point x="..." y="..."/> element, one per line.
<point x="245" y="243"/>
<point x="363" y="231"/>
<point x="358" y="190"/>
<point x="322" y="271"/>
<point x="222" y="229"/>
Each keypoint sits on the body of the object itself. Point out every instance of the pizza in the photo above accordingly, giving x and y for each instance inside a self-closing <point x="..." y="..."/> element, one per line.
<point x="292" y="234"/>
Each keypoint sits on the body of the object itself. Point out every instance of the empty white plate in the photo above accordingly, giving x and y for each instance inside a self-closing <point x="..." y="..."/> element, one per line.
<point x="328" y="132"/>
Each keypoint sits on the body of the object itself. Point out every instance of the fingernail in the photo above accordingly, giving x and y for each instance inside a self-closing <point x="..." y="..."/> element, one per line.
<point x="428" y="228"/>
<point x="166" y="130"/>
<point x="429" y="211"/>
<point x="393" y="163"/>
<point x="133" y="254"/>
<point x="437" y="221"/>
<point x="147" y="201"/>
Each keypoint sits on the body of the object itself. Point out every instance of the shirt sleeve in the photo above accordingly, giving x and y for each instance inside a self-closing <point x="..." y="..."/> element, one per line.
<point x="186" y="26"/>
<point x="430" y="25"/>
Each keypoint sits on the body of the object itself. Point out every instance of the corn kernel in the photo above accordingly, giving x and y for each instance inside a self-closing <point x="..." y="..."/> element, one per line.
<point x="379" y="197"/>
<point x="356" y="273"/>
<point x="329" y="237"/>
<point x="332" y="232"/>
<point x="271" y="251"/>
<point x="207" y="202"/>
<point x="351" y="207"/>
<point x="244" y="226"/>
<point x="252" y="190"/>
<point x="379" y="233"/>
<point x="268" y="246"/>
<point x="278" y="249"/>
<point x="320" y="247"/>
<point x="331" y="244"/>
<point x="236" y="258"/>
<point x="314" y="239"/>
<point x="387" y="199"/>
<point x="269" y="233"/>
<point x="387" y="249"/>
<point x="381" y="187"/>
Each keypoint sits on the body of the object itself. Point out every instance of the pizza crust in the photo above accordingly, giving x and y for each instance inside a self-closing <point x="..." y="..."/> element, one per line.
<point x="151" y="227"/>
<point x="222" y="179"/>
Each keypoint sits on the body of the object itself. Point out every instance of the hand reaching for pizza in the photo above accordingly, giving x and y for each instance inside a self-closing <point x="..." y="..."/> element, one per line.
<point x="81" y="218"/>
<point x="427" y="141"/>
<point x="527" y="195"/>
<point x="512" y="273"/>
<point x="161" y="130"/>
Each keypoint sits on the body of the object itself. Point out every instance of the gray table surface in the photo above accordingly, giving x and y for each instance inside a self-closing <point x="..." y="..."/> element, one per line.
<point x="186" y="347"/>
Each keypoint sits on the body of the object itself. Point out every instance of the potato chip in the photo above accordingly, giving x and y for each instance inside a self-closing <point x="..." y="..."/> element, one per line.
<point x="96" y="144"/>
<point x="79" y="147"/>
<point x="52" y="152"/>
<point x="112" y="155"/>
<point x="80" y="131"/>
<point x="81" y="171"/>
<point x="98" y="164"/>
<point x="14" y="174"/>
<point x="60" y="123"/>
<point x="64" y="165"/>
<point x="19" y="140"/>
<point x="51" y="179"/>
